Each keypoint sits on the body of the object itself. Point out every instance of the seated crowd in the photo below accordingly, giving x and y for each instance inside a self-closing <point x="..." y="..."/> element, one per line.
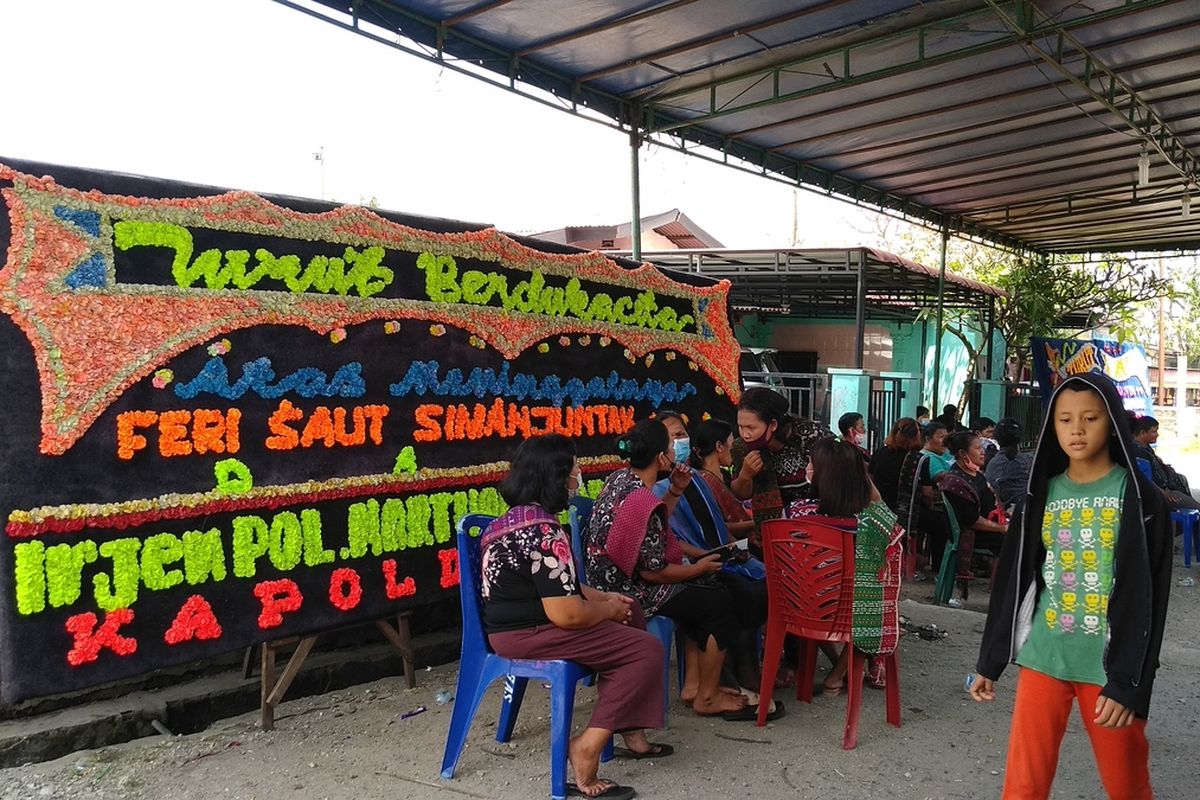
<point x="687" y="488"/>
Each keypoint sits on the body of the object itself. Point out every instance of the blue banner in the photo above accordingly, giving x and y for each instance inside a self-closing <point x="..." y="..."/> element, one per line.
<point x="1055" y="360"/>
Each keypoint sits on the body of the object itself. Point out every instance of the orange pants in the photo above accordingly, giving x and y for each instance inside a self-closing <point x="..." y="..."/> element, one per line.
<point x="1043" y="705"/>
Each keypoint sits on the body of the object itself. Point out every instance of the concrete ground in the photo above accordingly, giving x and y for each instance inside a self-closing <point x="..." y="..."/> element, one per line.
<point x="354" y="743"/>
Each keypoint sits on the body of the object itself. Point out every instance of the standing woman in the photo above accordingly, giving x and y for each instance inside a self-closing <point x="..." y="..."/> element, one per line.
<point x="970" y="507"/>
<point x="630" y="549"/>
<point x="535" y="608"/>
<point x="770" y="458"/>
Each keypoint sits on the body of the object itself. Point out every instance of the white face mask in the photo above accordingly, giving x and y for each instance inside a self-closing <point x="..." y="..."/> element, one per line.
<point x="578" y="478"/>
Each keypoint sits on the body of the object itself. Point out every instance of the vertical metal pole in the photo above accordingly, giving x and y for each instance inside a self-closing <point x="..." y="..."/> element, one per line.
<point x="937" y="330"/>
<point x="991" y="335"/>
<point x="860" y="311"/>
<point x="635" y="229"/>
<point x="1162" y="338"/>
<point x="924" y="352"/>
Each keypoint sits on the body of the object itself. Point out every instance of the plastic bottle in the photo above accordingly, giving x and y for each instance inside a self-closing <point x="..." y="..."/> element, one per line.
<point x="969" y="682"/>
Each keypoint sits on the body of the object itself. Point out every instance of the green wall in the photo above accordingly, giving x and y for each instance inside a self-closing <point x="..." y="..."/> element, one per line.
<point x="907" y="355"/>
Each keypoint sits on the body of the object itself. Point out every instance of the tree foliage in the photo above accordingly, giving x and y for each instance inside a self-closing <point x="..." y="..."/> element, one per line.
<point x="1060" y="296"/>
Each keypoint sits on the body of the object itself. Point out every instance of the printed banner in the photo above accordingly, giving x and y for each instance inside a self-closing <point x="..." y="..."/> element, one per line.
<point x="1125" y="363"/>
<point x="233" y="419"/>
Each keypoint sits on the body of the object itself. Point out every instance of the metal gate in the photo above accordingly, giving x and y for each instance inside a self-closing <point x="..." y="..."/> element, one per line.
<point x="884" y="408"/>
<point x="807" y="392"/>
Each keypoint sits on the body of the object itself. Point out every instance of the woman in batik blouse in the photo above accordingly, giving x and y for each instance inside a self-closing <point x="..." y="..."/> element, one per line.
<point x="536" y="607"/>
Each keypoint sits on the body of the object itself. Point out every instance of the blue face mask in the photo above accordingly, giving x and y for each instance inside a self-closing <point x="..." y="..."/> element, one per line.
<point x="683" y="449"/>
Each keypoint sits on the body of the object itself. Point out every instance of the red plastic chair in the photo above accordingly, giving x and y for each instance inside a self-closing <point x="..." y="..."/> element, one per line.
<point x="810" y="594"/>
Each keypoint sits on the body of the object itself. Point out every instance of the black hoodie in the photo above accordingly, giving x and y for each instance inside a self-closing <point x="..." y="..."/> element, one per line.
<point x="1137" y="607"/>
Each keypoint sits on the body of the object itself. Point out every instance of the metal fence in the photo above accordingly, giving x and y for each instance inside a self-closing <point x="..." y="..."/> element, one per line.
<point x="884" y="408"/>
<point x="807" y="392"/>
<point x="1022" y="402"/>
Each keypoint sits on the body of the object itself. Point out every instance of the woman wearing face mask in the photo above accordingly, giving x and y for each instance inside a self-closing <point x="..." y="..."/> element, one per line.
<point x="712" y="452"/>
<point x="630" y="549"/>
<point x="854" y="430"/>
<point x="970" y="508"/>
<point x="770" y="458"/>
<point x="701" y="525"/>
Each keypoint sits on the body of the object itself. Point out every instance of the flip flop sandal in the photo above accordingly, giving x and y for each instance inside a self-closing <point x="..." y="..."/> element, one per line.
<point x="613" y="792"/>
<point x="657" y="750"/>
<point x="750" y="713"/>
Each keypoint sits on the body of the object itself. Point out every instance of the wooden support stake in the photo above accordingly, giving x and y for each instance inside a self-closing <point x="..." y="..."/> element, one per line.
<point x="401" y="639"/>
<point x="272" y="691"/>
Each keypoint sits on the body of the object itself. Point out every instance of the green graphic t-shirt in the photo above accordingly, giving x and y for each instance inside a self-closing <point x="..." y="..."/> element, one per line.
<point x="1070" y="625"/>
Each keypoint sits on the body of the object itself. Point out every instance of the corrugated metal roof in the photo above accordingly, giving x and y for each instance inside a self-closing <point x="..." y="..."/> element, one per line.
<point x="825" y="282"/>
<point x="1015" y="121"/>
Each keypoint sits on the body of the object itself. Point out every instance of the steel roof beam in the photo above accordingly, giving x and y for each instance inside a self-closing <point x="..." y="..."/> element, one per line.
<point x="482" y="8"/>
<point x="989" y="125"/>
<point x="1123" y="188"/>
<point x="1019" y="169"/>
<point x="615" y="22"/>
<point x="1165" y="207"/>
<point x="843" y="57"/>
<point x="1100" y="82"/>
<point x="974" y="102"/>
<point x="1139" y="240"/>
<point x="1046" y="143"/>
<point x="1124" y="225"/>
<point x="1013" y="224"/>
<point x="725" y="35"/>
<point x="1126" y="190"/>
<point x="794" y="172"/>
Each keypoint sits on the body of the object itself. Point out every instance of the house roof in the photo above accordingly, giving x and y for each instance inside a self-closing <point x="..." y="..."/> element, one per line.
<point x="673" y="225"/>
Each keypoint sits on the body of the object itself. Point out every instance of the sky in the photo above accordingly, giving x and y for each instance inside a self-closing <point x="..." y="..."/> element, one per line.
<point x="241" y="93"/>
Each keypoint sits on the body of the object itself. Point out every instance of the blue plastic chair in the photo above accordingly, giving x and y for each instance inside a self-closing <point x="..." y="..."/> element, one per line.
<point x="662" y="628"/>
<point x="479" y="667"/>
<point x="1189" y="520"/>
<point x="1143" y="465"/>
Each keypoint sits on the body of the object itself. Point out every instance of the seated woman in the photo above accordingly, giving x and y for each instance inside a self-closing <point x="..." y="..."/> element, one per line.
<point x="844" y="494"/>
<point x="970" y="502"/>
<point x="699" y="522"/>
<point x="535" y="608"/>
<point x="853" y="429"/>
<point x="886" y="463"/>
<point x="918" y="499"/>
<point x="712" y="452"/>
<point x="771" y="456"/>
<point x="630" y="549"/>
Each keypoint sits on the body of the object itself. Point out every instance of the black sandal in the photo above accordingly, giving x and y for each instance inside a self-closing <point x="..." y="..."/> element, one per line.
<point x="657" y="750"/>
<point x="613" y="792"/>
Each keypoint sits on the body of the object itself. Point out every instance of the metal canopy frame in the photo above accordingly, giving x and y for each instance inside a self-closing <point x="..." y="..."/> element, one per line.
<point x="1014" y="122"/>
<point x="863" y="284"/>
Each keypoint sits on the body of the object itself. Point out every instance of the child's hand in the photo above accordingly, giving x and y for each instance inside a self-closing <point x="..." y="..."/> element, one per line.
<point x="1111" y="714"/>
<point x="983" y="690"/>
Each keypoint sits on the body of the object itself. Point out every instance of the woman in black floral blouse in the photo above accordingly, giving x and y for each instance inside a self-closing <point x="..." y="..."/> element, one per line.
<point x="631" y="550"/>
<point x="535" y="608"/>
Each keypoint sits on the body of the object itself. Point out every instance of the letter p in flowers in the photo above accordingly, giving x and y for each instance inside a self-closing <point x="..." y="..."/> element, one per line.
<point x="278" y="598"/>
